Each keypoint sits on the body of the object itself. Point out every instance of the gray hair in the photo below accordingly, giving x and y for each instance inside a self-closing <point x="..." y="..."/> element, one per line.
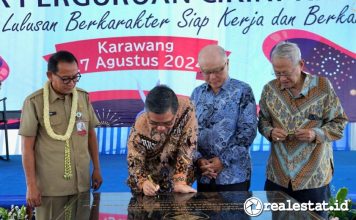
<point x="287" y="50"/>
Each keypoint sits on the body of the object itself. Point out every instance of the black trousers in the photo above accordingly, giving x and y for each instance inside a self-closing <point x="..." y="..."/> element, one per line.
<point x="213" y="187"/>
<point x="316" y="195"/>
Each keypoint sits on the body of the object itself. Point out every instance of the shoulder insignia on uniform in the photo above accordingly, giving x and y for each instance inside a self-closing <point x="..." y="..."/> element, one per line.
<point x="81" y="90"/>
<point x="38" y="92"/>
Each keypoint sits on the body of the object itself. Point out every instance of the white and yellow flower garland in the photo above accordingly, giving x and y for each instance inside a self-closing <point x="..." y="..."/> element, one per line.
<point x="67" y="166"/>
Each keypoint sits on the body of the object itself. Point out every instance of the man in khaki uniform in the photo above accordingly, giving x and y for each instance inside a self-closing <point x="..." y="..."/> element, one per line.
<point x="58" y="139"/>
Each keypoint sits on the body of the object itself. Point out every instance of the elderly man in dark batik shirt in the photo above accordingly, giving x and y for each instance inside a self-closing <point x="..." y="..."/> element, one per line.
<point x="227" y="122"/>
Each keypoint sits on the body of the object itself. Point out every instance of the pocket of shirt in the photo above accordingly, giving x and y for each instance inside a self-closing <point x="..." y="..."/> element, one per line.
<point x="54" y="120"/>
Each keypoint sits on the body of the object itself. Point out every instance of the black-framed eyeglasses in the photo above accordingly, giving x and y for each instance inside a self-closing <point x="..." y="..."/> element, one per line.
<point x="67" y="79"/>
<point x="216" y="71"/>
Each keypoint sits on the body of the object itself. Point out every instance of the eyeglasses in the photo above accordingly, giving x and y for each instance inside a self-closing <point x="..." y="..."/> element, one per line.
<point x="67" y="80"/>
<point x="285" y="74"/>
<point x="216" y="71"/>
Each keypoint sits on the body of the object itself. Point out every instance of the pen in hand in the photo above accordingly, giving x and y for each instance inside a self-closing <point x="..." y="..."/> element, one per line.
<point x="156" y="186"/>
<point x="150" y="179"/>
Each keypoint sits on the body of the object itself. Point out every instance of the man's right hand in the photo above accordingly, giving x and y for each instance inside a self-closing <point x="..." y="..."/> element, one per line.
<point x="205" y="169"/>
<point x="33" y="196"/>
<point x="278" y="134"/>
<point x="149" y="188"/>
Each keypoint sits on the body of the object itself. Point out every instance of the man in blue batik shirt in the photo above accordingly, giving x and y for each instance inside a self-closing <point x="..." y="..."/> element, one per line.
<point x="227" y="121"/>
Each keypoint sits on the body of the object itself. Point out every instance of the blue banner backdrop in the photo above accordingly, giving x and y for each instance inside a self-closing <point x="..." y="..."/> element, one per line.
<point x="126" y="47"/>
<point x="113" y="140"/>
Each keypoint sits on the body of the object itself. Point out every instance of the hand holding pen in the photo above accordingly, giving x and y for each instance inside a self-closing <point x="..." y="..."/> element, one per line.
<point x="149" y="187"/>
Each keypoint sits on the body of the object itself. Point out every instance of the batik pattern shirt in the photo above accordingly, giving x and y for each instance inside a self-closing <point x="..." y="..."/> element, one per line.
<point x="166" y="158"/>
<point x="227" y="125"/>
<point x="306" y="165"/>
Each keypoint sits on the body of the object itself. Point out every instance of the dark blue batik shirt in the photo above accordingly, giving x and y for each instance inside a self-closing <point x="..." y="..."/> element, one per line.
<point x="227" y="124"/>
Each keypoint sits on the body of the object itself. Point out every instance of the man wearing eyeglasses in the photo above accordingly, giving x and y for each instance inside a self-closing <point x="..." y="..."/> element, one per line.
<point x="58" y="139"/>
<point x="300" y="115"/>
<point x="227" y="121"/>
<point x="161" y="145"/>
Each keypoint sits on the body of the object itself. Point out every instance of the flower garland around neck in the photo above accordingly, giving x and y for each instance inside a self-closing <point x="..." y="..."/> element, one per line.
<point x="67" y="166"/>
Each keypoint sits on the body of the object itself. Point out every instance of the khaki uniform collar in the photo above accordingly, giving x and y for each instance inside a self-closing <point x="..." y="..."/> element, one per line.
<point x="53" y="96"/>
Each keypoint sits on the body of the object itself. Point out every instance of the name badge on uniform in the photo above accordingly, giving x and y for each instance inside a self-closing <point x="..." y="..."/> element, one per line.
<point x="81" y="128"/>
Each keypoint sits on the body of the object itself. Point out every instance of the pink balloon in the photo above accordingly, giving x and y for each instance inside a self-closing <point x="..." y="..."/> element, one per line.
<point x="4" y="69"/>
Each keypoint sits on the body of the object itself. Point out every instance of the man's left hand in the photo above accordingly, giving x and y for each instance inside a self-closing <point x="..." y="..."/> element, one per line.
<point x="96" y="179"/>
<point x="182" y="188"/>
<point x="305" y="135"/>
<point x="216" y="164"/>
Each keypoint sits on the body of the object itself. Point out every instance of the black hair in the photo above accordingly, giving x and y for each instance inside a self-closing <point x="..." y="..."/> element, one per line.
<point x="60" y="56"/>
<point x="161" y="99"/>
